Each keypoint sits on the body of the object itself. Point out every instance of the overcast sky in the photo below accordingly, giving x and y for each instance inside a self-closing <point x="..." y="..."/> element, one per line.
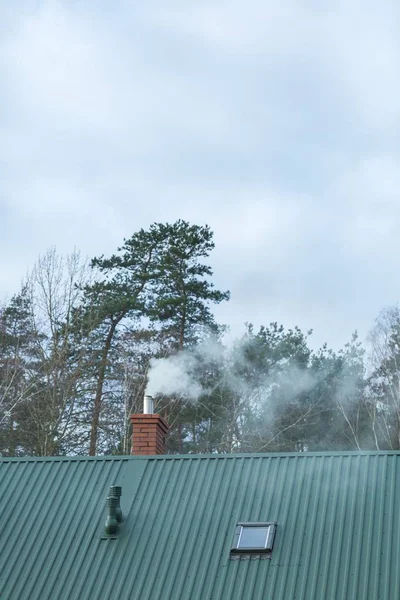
<point x="274" y="121"/>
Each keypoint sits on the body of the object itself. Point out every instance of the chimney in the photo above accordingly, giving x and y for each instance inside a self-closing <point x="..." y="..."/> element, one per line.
<point x="149" y="431"/>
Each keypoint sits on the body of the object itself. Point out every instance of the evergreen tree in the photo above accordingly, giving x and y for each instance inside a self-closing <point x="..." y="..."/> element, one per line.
<point x="157" y="274"/>
<point x="20" y="380"/>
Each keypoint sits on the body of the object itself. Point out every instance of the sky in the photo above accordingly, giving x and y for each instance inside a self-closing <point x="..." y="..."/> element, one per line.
<point x="275" y="122"/>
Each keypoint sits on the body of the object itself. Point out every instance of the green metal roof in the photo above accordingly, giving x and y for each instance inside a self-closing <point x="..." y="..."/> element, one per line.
<point x="338" y="534"/>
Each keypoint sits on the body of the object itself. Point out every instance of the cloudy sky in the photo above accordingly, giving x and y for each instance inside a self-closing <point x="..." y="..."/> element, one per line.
<point x="276" y="122"/>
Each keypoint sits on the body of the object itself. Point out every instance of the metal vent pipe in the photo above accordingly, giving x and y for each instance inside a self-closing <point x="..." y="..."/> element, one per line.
<point x="148" y="405"/>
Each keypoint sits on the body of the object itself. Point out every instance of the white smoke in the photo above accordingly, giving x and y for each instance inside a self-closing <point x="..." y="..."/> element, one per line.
<point x="178" y="374"/>
<point x="174" y="376"/>
<point x="266" y="388"/>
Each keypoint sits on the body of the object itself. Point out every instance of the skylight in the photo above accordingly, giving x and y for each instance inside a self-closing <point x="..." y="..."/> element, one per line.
<point x="254" y="538"/>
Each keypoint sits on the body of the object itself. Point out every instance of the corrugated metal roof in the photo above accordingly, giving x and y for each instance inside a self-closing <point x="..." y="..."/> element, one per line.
<point x="338" y="534"/>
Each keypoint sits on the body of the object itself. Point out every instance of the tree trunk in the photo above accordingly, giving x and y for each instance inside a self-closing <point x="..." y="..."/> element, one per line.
<point x="99" y="389"/>
<point x="181" y="343"/>
<point x="180" y="436"/>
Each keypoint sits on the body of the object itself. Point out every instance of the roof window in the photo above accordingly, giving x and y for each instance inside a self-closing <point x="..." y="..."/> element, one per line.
<point x="253" y="538"/>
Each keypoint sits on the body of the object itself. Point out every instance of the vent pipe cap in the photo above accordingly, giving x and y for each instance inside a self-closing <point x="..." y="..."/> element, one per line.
<point x="115" y="490"/>
<point x="112" y="501"/>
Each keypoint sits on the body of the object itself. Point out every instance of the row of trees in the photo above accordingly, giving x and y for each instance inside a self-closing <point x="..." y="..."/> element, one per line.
<point x="77" y="340"/>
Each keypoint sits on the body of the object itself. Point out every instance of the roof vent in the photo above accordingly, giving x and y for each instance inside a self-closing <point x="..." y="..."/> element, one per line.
<point x="111" y="522"/>
<point x="116" y="491"/>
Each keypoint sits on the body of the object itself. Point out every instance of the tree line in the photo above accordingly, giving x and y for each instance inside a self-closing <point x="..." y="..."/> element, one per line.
<point x="78" y="339"/>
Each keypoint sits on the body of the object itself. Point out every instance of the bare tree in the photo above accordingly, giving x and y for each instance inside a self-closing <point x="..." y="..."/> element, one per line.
<point x="384" y="381"/>
<point x="53" y="286"/>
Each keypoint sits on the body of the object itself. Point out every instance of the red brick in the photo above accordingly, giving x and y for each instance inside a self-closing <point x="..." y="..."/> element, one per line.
<point x="149" y="432"/>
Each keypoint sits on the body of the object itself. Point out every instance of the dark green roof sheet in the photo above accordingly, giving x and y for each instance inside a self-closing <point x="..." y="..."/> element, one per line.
<point x="338" y="534"/>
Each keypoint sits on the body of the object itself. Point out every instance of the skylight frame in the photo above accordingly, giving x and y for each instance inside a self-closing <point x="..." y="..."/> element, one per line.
<point x="269" y="539"/>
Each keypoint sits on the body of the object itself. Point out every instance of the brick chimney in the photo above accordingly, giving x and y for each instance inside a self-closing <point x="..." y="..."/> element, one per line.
<point x="149" y="432"/>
